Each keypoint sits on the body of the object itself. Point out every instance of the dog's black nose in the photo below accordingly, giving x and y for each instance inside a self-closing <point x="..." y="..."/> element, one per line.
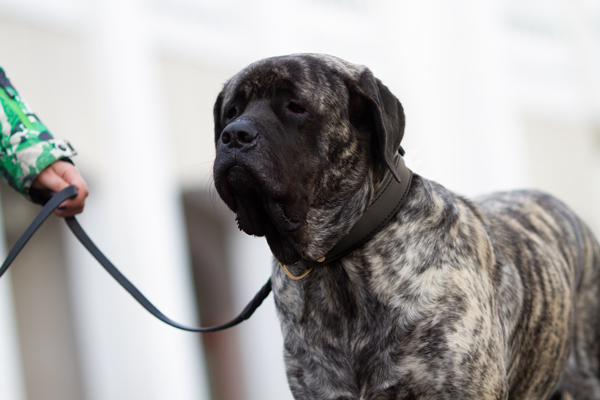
<point x="239" y="134"/>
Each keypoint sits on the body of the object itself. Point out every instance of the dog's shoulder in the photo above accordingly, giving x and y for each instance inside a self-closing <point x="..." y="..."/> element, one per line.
<point x="435" y="228"/>
<point x="432" y="209"/>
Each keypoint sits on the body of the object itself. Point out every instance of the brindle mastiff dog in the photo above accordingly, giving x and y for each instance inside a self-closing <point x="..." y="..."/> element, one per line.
<point x="494" y="298"/>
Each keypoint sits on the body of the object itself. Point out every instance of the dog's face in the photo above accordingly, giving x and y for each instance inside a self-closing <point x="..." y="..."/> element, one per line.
<point x="301" y="143"/>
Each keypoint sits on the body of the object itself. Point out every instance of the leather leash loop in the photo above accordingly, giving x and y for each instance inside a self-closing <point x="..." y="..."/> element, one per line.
<point x="73" y="224"/>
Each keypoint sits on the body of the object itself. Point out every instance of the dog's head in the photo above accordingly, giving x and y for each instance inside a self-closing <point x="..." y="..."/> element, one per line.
<point x="302" y="142"/>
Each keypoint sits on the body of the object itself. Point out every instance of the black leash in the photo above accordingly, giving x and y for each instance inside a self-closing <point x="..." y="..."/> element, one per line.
<point x="78" y="231"/>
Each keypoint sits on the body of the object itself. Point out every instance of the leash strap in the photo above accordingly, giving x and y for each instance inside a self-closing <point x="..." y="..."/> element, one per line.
<point x="78" y="231"/>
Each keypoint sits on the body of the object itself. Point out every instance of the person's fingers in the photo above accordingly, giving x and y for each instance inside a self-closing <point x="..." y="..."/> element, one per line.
<point x="69" y="173"/>
<point x="58" y="176"/>
<point x="68" y="212"/>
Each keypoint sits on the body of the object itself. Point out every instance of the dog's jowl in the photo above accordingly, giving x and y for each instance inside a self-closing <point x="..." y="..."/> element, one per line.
<point x="440" y="298"/>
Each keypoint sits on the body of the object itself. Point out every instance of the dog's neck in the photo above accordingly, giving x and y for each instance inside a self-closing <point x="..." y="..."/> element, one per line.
<point x="385" y="205"/>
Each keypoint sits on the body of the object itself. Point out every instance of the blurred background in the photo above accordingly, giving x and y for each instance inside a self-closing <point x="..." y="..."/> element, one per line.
<point x="498" y="94"/>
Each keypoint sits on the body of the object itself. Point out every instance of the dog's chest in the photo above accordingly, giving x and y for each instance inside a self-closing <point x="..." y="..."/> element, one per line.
<point x="346" y="340"/>
<point x="330" y="336"/>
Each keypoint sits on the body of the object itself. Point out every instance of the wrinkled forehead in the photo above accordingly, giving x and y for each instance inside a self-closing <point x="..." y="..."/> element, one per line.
<point x="319" y="79"/>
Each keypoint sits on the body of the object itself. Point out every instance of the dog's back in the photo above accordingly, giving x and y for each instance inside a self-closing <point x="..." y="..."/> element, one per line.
<point x="547" y="274"/>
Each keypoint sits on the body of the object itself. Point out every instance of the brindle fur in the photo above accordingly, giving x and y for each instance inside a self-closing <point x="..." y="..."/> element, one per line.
<point x="495" y="298"/>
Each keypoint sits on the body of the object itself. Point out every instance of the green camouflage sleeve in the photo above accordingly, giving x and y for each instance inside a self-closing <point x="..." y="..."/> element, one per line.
<point x="26" y="145"/>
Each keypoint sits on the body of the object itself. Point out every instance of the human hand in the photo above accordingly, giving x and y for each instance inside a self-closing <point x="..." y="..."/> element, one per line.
<point x="58" y="176"/>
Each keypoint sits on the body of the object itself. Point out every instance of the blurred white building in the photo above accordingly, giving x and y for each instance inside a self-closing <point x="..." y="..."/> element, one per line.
<point x="498" y="94"/>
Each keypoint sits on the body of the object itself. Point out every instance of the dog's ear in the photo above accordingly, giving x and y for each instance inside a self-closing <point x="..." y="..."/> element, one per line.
<point x="217" y="116"/>
<point x="375" y="108"/>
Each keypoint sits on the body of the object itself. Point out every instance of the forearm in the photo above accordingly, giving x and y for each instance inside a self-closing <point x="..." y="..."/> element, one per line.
<point x="26" y="145"/>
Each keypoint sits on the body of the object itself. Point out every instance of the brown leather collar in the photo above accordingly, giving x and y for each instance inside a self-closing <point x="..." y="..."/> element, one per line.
<point x="380" y="212"/>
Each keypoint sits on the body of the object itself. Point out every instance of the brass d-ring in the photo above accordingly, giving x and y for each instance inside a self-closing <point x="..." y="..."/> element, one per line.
<point x="294" y="277"/>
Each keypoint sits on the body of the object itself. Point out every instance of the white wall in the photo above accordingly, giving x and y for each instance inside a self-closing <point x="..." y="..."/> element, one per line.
<point x="91" y="79"/>
<point x="11" y="378"/>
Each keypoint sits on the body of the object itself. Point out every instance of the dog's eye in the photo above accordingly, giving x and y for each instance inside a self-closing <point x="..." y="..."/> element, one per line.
<point x="296" y="108"/>
<point x="231" y="113"/>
